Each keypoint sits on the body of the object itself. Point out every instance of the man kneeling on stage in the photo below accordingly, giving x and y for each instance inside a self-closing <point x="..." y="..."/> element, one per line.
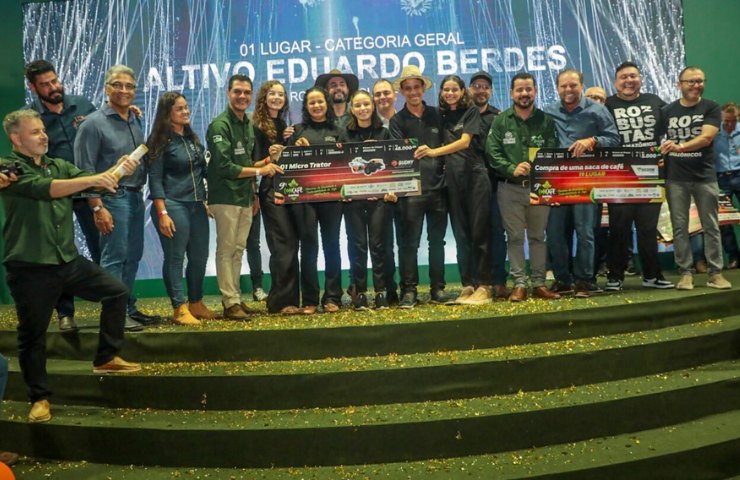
<point x="41" y="259"/>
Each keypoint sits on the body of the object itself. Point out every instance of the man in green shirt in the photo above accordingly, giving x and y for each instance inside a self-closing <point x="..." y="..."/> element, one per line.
<point x="41" y="259"/>
<point x="231" y="178"/>
<point x="512" y="133"/>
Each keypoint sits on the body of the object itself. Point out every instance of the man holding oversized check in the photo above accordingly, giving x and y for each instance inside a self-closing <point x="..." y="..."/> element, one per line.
<point x="581" y="125"/>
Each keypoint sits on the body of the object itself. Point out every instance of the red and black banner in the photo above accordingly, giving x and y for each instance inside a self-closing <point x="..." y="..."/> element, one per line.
<point x="609" y="175"/>
<point x="325" y="173"/>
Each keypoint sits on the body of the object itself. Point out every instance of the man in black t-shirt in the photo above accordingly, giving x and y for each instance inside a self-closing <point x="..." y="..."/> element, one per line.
<point x="637" y="116"/>
<point x="421" y="121"/>
<point x="690" y="124"/>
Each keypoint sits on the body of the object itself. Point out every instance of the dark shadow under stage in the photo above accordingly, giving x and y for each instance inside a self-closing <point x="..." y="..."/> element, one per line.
<point x="634" y="384"/>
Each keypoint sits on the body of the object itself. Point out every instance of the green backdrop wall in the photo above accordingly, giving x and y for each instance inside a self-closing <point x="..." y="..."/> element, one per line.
<point x="711" y="39"/>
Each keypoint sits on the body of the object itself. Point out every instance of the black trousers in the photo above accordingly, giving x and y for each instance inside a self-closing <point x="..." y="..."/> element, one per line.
<point x="328" y="217"/>
<point x="84" y="214"/>
<point x="432" y="206"/>
<point x="366" y="222"/>
<point x="394" y="222"/>
<point x="36" y="289"/>
<point x="469" y="202"/>
<point x="254" y="254"/>
<point x="281" y="232"/>
<point x="645" y="216"/>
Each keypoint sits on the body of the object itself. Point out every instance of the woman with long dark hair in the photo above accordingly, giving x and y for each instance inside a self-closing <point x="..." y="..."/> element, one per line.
<point x="177" y="171"/>
<point x="270" y="132"/>
<point x="468" y="189"/>
<point x="319" y="128"/>
<point x="366" y="220"/>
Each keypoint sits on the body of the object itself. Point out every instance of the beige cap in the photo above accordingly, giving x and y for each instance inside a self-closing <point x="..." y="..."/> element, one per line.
<point x="409" y="72"/>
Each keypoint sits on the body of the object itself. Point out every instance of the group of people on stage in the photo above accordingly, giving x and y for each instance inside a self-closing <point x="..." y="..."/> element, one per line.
<point x="474" y="166"/>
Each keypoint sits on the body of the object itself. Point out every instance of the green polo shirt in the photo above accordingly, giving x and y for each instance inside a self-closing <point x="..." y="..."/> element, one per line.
<point x="39" y="229"/>
<point x="230" y="145"/>
<point x="511" y="137"/>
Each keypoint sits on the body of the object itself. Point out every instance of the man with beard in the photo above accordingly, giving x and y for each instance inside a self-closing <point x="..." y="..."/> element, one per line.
<point x="104" y="137"/>
<point x="582" y="125"/>
<point x="481" y="89"/>
<point x="340" y="87"/>
<point x="41" y="258"/>
<point x="690" y="124"/>
<point x="62" y="114"/>
<point x="384" y="96"/>
<point x="512" y="134"/>
<point x="637" y="116"/>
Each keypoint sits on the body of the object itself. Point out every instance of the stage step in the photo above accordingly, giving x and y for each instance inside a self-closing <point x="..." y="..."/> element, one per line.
<point x="699" y="449"/>
<point x="336" y="382"/>
<point x="377" y="433"/>
<point x="637" y="384"/>
<point x="426" y="329"/>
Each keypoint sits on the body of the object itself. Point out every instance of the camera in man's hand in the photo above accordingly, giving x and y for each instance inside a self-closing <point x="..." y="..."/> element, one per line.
<point x="15" y="168"/>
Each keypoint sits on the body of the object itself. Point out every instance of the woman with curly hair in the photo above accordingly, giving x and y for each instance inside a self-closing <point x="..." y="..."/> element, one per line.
<point x="177" y="172"/>
<point x="271" y="132"/>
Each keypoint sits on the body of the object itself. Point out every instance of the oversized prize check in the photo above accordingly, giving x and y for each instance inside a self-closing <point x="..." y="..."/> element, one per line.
<point x="606" y="175"/>
<point x="324" y="173"/>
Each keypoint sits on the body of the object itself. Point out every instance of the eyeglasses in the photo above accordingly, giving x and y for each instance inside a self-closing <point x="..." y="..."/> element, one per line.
<point x="693" y="82"/>
<point x="122" y="86"/>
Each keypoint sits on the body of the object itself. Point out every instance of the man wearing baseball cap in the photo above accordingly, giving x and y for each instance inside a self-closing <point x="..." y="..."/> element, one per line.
<point x="340" y="87"/>
<point x="481" y="89"/>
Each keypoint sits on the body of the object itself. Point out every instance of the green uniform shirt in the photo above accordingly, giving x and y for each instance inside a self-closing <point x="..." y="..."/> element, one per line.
<point x="511" y="137"/>
<point x="39" y="229"/>
<point x="230" y="145"/>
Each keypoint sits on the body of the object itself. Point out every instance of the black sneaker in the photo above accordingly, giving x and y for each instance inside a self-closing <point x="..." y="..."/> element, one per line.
<point x="144" y="319"/>
<point x="132" y="325"/>
<point x="381" y="302"/>
<point x="360" y="302"/>
<point x="392" y="297"/>
<point x="441" y="297"/>
<point x="659" y="282"/>
<point x="613" y="285"/>
<point x="408" y="301"/>
<point x="594" y="288"/>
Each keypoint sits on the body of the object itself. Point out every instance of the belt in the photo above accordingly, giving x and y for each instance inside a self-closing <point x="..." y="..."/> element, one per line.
<point x="524" y="183"/>
<point x="131" y="189"/>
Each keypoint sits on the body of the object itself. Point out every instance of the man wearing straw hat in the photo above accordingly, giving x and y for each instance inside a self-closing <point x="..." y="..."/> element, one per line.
<point x="422" y="122"/>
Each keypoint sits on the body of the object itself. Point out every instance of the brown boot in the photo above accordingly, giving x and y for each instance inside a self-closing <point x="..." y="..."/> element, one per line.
<point x="200" y="311"/>
<point x="182" y="316"/>
<point x="519" y="294"/>
<point x="544" y="293"/>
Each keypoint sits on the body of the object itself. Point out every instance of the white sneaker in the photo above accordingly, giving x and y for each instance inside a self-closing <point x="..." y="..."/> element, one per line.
<point x="717" y="280"/>
<point x="259" y="295"/>
<point x="686" y="282"/>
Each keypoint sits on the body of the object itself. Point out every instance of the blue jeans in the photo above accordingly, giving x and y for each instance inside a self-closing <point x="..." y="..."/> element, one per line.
<point x="122" y="249"/>
<point x="584" y="220"/>
<point x="191" y="237"/>
<point x="729" y="183"/>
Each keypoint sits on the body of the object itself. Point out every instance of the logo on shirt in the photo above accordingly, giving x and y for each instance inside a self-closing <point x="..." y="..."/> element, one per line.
<point x="239" y="150"/>
<point x="217" y="139"/>
<point x="509" y="138"/>
<point x="536" y="141"/>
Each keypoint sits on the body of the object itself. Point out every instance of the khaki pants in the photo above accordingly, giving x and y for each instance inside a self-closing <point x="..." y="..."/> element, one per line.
<point x="232" y="229"/>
